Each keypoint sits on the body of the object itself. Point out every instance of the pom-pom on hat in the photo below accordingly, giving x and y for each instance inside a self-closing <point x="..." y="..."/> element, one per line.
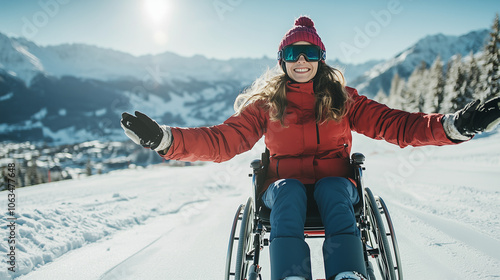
<point x="303" y="30"/>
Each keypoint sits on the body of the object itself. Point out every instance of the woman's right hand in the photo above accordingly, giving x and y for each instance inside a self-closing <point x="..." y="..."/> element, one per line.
<point x="146" y="132"/>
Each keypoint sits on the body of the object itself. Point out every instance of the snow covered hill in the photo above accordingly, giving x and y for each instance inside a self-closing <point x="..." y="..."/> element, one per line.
<point x="166" y="222"/>
<point x="72" y="110"/>
<point x="425" y="50"/>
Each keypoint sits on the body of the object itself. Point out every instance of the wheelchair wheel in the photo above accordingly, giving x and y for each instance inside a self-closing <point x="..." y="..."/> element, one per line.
<point x="377" y="238"/>
<point x="393" y="240"/>
<point x="242" y="224"/>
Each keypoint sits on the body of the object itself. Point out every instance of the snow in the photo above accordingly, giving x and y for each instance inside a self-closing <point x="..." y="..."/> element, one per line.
<point x="164" y="222"/>
<point x="40" y="114"/>
<point x="65" y="135"/>
<point x="62" y="112"/>
<point x="33" y="60"/>
<point x="6" y="96"/>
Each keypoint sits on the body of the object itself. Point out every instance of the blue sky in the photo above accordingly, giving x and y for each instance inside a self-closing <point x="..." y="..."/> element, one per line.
<point x="353" y="31"/>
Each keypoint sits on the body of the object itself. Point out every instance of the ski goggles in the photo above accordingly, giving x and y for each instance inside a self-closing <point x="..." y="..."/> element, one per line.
<point x="292" y="53"/>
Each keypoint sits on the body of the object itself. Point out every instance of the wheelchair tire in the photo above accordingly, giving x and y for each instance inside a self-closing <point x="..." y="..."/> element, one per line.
<point x="377" y="238"/>
<point x="393" y="240"/>
<point x="232" y="235"/>
<point x="243" y="222"/>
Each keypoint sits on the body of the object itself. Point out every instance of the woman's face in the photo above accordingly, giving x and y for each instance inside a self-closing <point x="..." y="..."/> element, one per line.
<point x="302" y="71"/>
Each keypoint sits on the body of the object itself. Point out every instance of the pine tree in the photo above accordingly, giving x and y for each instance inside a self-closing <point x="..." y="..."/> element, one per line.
<point x="88" y="168"/>
<point x="414" y="88"/>
<point x="453" y="85"/>
<point x="458" y="101"/>
<point x="492" y="62"/>
<point x="395" y="99"/>
<point x="435" y="91"/>
<point x="381" y="97"/>
<point x="470" y="89"/>
<point x="33" y="173"/>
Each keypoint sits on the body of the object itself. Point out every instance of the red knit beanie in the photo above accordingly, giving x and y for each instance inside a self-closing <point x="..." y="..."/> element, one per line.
<point x="302" y="31"/>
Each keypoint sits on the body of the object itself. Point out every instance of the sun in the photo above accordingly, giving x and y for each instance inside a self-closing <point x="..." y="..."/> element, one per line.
<point x="156" y="10"/>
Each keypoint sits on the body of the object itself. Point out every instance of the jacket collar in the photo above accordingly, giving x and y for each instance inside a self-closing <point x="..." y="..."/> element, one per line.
<point x="300" y="87"/>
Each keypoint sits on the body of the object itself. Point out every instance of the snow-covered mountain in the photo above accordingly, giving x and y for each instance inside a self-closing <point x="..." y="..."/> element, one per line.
<point x="75" y="92"/>
<point x="72" y="93"/>
<point x="26" y="60"/>
<point x="426" y="50"/>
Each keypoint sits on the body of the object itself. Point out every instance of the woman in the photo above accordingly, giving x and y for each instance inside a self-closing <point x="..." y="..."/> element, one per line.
<point x="306" y="114"/>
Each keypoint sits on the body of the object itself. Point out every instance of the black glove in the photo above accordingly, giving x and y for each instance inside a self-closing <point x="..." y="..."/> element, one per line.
<point x="476" y="117"/>
<point x="146" y="132"/>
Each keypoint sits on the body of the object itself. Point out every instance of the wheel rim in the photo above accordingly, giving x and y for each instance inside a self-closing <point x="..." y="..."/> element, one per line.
<point x="393" y="240"/>
<point x="232" y="235"/>
<point x="244" y="240"/>
<point x="377" y="238"/>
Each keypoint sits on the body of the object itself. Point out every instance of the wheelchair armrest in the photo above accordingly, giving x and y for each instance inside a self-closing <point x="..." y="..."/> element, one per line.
<point x="256" y="164"/>
<point x="357" y="158"/>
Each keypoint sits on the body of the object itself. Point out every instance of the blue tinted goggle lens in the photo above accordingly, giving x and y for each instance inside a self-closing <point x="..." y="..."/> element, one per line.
<point x="311" y="53"/>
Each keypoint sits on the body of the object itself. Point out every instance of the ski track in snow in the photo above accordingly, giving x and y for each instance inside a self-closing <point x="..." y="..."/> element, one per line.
<point x="173" y="222"/>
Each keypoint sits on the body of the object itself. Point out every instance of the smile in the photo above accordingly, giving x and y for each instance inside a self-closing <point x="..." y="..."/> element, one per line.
<point x="301" y="70"/>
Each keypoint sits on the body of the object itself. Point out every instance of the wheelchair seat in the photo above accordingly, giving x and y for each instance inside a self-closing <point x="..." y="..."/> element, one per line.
<point x="313" y="217"/>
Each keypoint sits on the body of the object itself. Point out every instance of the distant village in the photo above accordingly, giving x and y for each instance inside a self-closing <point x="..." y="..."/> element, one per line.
<point x="41" y="163"/>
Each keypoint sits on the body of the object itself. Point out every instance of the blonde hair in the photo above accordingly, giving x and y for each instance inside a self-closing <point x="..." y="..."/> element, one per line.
<point x="332" y="99"/>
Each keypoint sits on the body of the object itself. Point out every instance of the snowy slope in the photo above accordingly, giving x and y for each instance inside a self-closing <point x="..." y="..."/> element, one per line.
<point x="173" y="223"/>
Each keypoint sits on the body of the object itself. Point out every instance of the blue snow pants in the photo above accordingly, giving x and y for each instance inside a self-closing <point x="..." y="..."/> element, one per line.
<point x="288" y="201"/>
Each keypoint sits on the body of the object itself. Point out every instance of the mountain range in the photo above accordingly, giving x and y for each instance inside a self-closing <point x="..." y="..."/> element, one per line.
<point x="425" y="50"/>
<point x="73" y="93"/>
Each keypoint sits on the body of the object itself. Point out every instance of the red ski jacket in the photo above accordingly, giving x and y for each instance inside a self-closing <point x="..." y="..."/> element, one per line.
<point x="304" y="149"/>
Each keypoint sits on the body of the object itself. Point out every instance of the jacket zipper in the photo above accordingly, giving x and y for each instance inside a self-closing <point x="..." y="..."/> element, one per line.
<point x="317" y="133"/>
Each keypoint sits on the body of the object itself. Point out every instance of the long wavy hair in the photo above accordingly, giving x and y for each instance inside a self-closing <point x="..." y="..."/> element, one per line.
<point x="332" y="99"/>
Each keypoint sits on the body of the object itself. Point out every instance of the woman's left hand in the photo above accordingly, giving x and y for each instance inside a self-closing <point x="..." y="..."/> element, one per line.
<point x="477" y="117"/>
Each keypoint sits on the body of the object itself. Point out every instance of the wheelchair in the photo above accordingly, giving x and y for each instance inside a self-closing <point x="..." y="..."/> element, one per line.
<point x="251" y="223"/>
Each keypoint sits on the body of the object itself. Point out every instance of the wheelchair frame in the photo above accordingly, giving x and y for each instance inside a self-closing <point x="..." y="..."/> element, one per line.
<point x="372" y="217"/>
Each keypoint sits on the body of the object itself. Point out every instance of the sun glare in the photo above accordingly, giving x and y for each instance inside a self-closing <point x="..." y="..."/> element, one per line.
<point x="156" y="10"/>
